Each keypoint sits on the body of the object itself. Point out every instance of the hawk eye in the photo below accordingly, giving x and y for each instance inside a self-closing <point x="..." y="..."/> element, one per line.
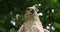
<point x="35" y="9"/>
<point x="28" y="9"/>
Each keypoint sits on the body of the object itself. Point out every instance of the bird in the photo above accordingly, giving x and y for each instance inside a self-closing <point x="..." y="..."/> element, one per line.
<point x="32" y="22"/>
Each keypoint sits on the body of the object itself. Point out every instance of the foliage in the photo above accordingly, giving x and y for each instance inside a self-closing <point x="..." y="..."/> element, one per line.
<point x="14" y="10"/>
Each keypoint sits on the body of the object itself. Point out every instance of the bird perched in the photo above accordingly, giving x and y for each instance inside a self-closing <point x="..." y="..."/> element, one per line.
<point x="32" y="22"/>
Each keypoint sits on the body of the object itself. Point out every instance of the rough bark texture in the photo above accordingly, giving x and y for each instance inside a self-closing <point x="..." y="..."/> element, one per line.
<point x="32" y="22"/>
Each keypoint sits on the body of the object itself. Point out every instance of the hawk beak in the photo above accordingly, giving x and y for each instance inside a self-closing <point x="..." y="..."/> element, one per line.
<point x="32" y="11"/>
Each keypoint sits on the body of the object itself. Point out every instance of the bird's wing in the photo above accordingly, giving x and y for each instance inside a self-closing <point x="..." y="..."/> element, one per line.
<point x="21" y="29"/>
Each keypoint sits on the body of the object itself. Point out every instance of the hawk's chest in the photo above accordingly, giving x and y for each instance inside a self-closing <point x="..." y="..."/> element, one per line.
<point x="31" y="26"/>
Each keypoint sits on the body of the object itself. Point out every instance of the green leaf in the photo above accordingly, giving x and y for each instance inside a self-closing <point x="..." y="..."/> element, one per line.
<point x="12" y="30"/>
<point x="54" y="1"/>
<point x="57" y="25"/>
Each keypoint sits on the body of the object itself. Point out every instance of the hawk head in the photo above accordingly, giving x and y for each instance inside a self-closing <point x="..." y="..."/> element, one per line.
<point x="31" y="11"/>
